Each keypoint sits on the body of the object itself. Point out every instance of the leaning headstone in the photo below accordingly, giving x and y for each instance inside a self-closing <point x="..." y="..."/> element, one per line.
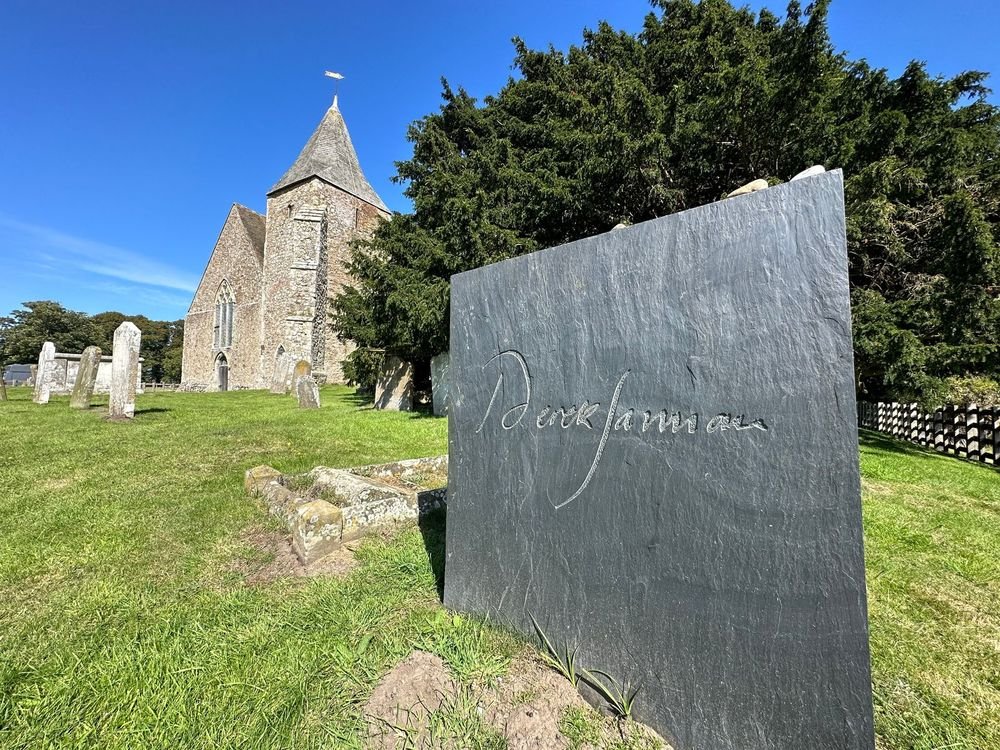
<point x="32" y="376"/>
<point x="45" y="373"/>
<point x="86" y="378"/>
<point x="124" y="371"/>
<point x="657" y="427"/>
<point x="307" y="392"/>
<point x="440" y="380"/>
<point x="394" y="389"/>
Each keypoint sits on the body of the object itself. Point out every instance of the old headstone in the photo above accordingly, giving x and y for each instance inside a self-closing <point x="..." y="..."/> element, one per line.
<point x="279" y="377"/>
<point x="32" y="376"/>
<point x="657" y="427"/>
<point x="301" y="369"/>
<point x="440" y="380"/>
<point x="124" y="371"/>
<point x="307" y="392"/>
<point x="45" y="373"/>
<point x="86" y="378"/>
<point x="394" y="389"/>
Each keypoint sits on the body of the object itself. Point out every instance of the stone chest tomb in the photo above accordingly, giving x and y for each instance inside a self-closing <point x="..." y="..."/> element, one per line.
<point x="653" y="451"/>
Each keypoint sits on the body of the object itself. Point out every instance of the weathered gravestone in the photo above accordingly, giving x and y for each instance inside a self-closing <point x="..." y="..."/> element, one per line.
<point x="440" y="383"/>
<point x="654" y="453"/>
<point x="279" y="378"/>
<point x="307" y="392"/>
<point x="394" y="388"/>
<point x="45" y="373"/>
<point x="86" y="378"/>
<point x="301" y="369"/>
<point x="124" y="371"/>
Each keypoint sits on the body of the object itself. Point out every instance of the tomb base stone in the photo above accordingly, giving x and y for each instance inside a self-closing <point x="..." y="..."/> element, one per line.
<point x="656" y="429"/>
<point x="86" y="378"/>
<point x="394" y="390"/>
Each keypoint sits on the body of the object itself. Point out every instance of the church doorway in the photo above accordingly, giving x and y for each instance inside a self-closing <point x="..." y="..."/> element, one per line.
<point x="222" y="372"/>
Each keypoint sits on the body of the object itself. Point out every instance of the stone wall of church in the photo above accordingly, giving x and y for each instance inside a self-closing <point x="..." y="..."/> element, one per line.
<point x="235" y="261"/>
<point x="309" y="228"/>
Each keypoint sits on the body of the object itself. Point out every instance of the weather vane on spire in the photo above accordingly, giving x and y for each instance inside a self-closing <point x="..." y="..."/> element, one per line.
<point x="338" y="77"/>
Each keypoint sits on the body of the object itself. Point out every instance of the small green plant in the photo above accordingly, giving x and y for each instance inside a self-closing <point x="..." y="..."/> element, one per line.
<point x="619" y="695"/>
<point x="564" y="663"/>
<point x="581" y="727"/>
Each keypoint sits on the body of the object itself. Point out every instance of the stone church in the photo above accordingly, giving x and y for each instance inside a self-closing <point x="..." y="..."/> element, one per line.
<point x="263" y="300"/>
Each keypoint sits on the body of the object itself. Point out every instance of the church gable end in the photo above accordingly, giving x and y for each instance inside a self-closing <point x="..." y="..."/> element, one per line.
<point x="230" y="328"/>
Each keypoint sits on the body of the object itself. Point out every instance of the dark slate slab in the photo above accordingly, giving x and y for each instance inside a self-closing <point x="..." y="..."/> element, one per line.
<point x="712" y="555"/>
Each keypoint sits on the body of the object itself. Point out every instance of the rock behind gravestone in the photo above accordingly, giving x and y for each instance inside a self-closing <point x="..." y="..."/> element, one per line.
<point x="307" y="392"/>
<point x="656" y="429"/>
<point x="86" y="378"/>
<point x="124" y="371"/>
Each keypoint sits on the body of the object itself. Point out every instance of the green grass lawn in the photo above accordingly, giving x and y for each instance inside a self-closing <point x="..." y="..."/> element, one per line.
<point x="122" y="625"/>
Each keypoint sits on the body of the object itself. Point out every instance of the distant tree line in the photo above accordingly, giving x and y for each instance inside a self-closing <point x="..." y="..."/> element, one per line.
<point x="23" y="332"/>
<point x="629" y="127"/>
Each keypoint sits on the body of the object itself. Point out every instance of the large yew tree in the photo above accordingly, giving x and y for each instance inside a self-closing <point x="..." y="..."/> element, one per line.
<point x="625" y="128"/>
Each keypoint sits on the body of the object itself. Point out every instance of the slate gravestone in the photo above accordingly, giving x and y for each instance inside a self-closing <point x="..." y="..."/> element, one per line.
<point x="124" y="371"/>
<point x="653" y="452"/>
<point x="86" y="378"/>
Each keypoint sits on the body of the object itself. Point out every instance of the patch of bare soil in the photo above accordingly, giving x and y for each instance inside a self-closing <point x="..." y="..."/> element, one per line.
<point x="398" y="710"/>
<point x="272" y="558"/>
<point x="525" y="707"/>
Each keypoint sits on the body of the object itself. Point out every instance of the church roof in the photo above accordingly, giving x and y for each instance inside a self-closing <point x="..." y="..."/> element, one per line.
<point x="254" y="224"/>
<point x="330" y="155"/>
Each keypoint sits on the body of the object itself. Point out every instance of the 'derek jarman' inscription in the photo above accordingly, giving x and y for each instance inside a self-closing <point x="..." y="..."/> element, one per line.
<point x="654" y="454"/>
<point x="614" y="416"/>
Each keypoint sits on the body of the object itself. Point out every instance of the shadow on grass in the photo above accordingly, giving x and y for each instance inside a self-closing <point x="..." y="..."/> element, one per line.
<point x="366" y="400"/>
<point x="870" y="439"/>
<point x="432" y="529"/>
<point x="152" y="410"/>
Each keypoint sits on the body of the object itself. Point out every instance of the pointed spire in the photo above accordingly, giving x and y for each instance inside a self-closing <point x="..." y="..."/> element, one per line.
<point x="330" y="156"/>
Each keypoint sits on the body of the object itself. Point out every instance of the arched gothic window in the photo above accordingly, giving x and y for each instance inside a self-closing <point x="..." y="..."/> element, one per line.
<point x="225" y="306"/>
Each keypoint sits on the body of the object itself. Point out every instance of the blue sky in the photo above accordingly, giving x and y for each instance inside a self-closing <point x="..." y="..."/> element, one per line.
<point x="127" y="129"/>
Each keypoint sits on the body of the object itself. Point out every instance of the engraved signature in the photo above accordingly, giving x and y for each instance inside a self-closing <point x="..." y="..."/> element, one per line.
<point x="626" y="420"/>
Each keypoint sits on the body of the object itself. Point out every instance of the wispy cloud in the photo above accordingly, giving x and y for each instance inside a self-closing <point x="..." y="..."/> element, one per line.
<point x="46" y="248"/>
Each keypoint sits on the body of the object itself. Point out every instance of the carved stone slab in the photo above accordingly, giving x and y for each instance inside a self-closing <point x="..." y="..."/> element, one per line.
<point x="45" y="373"/>
<point x="86" y="378"/>
<point x="654" y="453"/>
<point x="124" y="371"/>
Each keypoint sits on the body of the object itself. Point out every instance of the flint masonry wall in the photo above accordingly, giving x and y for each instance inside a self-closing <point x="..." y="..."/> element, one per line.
<point x="236" y="261"/>
<point x="309" y="229"/>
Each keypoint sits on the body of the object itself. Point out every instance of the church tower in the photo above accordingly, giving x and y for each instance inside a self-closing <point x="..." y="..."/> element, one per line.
<point x="314" y="211"/>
